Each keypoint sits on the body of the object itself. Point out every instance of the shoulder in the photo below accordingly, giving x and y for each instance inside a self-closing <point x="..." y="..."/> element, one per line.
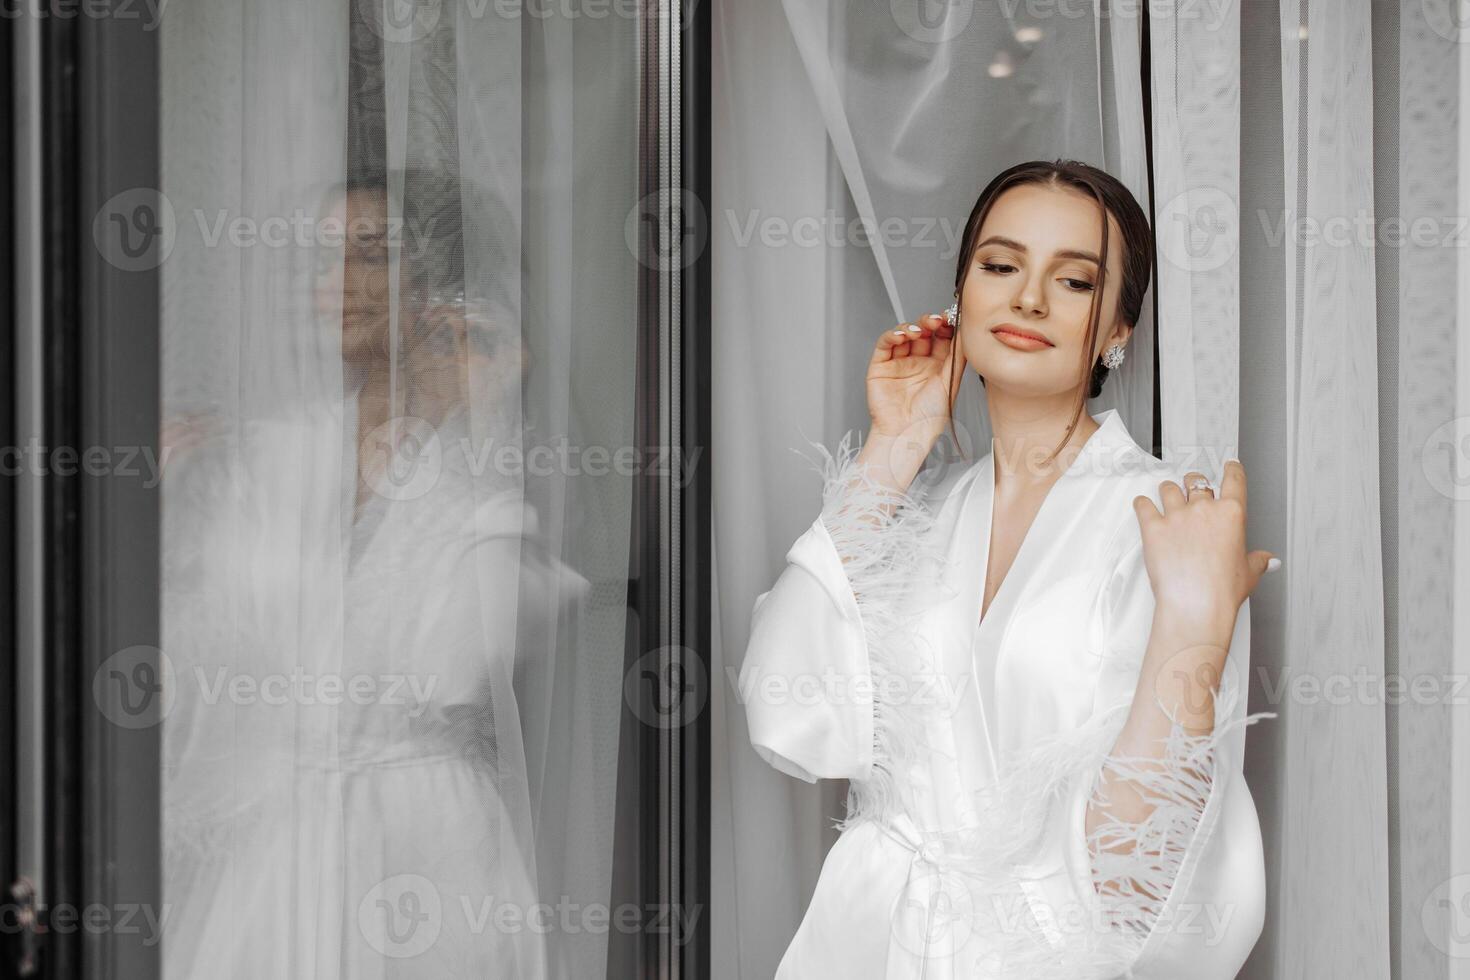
<point x="944" y="486"/>
<point x="950" y="476"/>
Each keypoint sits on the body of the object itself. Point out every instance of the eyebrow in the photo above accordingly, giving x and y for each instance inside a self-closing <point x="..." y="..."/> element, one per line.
<point x="1066" y="253"/>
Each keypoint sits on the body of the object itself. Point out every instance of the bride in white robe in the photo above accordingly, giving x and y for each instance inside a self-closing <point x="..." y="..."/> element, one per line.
<point x="1018" y="806"/>
<point x="359" y="807"/>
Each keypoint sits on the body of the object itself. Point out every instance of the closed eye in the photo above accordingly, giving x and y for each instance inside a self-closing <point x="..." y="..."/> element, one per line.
<point x="1076" y="285"/>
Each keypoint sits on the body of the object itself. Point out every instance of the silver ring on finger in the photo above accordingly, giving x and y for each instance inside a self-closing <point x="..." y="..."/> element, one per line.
<point x="1199" y="484"/>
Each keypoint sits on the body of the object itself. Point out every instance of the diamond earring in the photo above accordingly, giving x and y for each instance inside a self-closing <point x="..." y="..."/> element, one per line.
<point x="1113" y="356"/>
<point x="952" y="314"/>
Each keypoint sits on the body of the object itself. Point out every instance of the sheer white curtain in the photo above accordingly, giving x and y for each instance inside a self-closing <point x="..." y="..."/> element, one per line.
<point x="1375" y="397"/>
<point x="394" y="598"/>
<point x="1354" y="395"/>
<point x="1332" y="354"/>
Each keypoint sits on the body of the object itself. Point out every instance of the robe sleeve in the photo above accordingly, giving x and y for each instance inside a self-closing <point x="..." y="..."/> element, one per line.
<point x="1183" y="890"/>
<point x="829" y="634"/>
<point x="1181" y="893"/>
<point x="805" y="629"/>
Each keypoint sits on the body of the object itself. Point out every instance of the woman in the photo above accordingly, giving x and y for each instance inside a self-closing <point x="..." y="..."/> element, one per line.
<point x="372" y="822"/>
<point x="1033" y="674"/>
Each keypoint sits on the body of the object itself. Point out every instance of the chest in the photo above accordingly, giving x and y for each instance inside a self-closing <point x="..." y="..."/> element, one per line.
<point x="1009" y="528"/>
<point x="1027" y="576"/>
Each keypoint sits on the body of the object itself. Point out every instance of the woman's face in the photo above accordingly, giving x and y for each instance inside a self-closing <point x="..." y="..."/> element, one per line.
<point x="1031" y="270"/>
<point x="353" y="283"/>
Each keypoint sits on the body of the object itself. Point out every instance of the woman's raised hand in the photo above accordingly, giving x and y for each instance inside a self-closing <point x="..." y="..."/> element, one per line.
<point x="911" y="381"/>
<point x="1195" y="548"/>
<point x="1201" y="574"/>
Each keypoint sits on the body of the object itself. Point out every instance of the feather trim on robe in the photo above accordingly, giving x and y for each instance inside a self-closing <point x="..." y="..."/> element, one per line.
<point x="990" y="874"/>
<point x="882" y="536"/>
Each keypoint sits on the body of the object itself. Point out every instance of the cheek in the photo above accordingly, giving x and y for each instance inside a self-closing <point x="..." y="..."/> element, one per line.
<point x="980" y="293"/>
<point x="1075" y="309"/>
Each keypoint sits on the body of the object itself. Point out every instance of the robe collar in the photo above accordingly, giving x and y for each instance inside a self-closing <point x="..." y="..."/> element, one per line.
<point x="1104" y="454"/>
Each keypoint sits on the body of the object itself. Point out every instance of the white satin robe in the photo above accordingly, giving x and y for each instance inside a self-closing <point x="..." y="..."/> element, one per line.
<point x="342" y="837"/>
<point x="1035" y="694"/>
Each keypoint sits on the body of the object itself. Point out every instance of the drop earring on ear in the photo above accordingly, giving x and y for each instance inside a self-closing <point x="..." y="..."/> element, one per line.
<point x="1113" y="356"/>
<point x="952" y="314"/>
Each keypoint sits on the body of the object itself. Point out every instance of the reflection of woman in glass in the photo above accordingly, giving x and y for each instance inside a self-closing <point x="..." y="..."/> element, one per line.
<point x="374" y="822"/>
<point x="448" y="361"/>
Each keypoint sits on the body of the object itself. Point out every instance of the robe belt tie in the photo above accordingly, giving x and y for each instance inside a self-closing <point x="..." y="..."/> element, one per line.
<point x="937" y="914"/>
<point x="944" y="922"/>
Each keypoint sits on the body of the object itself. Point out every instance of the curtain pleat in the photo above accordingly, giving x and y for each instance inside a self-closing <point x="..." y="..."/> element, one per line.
<point x="1130" y="389"/>
<point x="1195" y="59"/>
<point x="1334" y="810"/>
<point x="1432" y="757"/>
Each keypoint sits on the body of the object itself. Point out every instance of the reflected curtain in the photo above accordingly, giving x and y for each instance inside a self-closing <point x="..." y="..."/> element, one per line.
<point x="395" y="574"/>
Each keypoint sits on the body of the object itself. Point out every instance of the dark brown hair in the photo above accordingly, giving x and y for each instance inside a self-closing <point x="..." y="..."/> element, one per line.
<point x="1112" y="198"/>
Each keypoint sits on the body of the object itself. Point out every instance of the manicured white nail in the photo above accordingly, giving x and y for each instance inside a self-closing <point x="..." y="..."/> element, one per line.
<point x="1273" y="564"/>
<point x="913" y="327"/>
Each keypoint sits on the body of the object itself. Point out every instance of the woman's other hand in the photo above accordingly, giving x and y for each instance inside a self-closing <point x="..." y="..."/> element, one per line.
<point x="1201" y="574"/>
<point x="1194" y="549"/>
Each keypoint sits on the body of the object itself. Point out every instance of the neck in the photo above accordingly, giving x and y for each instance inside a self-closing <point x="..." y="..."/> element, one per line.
<point x="1026" y="432"/>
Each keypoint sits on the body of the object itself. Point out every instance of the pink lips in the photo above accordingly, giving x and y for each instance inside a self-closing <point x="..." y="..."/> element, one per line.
<point x="1013" y="336"/>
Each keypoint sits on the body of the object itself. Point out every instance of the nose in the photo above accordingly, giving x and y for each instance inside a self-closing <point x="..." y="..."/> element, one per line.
<point x="1028" y="299"/>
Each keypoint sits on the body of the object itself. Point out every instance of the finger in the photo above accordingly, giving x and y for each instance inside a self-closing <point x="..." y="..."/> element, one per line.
<point x="1146" y="510"/>
<point x="929" y="325"/>
<point x="1171" y="495"/>
<point x="937" y="327"/>
<point x="919" y="334"/>
<point x="890" y="341"/>
<point x="940" y="347"/>
<point x="1190" y="494"/>
<point x="1259" y="563"/>
<point x="922" y="347"/>
<point x="1232" y="484"/>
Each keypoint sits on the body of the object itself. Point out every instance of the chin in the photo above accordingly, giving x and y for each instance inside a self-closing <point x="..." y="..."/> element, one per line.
<point x="1022" y="381"/>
